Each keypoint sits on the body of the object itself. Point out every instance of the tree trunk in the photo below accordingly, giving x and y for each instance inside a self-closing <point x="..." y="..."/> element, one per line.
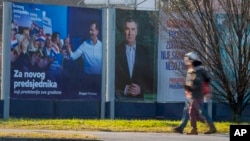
<point x="236" y="114"/>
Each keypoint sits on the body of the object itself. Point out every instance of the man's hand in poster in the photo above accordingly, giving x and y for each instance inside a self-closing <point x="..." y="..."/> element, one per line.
<point x="133" y="89"/>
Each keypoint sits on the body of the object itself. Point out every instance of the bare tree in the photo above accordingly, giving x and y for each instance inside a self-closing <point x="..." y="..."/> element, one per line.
<point x="218" y="31"/>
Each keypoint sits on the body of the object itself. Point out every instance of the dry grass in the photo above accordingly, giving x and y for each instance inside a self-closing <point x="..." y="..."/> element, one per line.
<point x="40" y="126"/>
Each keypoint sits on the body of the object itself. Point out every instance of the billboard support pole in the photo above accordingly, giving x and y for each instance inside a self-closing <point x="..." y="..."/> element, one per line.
<point x="104" y="62"/>
<point x="110" y="61"/>
<point x="5" y="79"/>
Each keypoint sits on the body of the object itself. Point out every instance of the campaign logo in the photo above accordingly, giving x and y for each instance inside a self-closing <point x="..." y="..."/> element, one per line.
<point x="176" y="83"/>
<point x="239" y="132"/>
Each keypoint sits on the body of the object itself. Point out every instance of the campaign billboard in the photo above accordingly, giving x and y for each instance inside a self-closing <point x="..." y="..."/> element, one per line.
<point x="170" y="81"/>
<point x="56" y="52"/>
<point x="135" y="55"/>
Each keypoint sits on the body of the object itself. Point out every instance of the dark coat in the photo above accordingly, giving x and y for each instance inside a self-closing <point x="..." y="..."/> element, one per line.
<point x="142" y="72"/>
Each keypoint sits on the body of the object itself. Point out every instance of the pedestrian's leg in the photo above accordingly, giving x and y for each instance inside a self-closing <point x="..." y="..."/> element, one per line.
<point x="193" y="112"/>
<point x="185" y="116"/>
<point x="201" y="117"/>
<point x="208" y="119"/>
<point x="184" y="120"/>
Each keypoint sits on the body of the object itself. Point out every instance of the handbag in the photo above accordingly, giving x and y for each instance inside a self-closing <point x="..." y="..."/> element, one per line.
<point x="205" y="88"/>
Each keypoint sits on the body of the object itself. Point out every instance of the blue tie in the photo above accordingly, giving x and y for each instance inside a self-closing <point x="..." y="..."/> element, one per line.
<point x="131" y="61"/>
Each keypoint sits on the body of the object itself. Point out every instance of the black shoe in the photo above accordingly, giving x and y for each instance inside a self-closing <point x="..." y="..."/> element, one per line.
<point x="211" y="131"/>
<point x="178" y="130"/>
<point x="193" y="132"/>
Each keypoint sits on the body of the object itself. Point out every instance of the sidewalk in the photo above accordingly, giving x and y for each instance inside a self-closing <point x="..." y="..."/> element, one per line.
<point x="126" y="136"/>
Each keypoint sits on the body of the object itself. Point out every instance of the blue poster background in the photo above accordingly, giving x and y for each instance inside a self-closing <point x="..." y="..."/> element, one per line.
<point x="33" y="76"/>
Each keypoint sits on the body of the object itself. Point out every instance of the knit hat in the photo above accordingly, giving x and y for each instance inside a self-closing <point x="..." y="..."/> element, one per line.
<point x="193" y="56"/>
<point x="190" y="57"/>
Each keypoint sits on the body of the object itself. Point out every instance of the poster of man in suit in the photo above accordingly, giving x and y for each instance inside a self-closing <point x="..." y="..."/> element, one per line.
<point x="135" y="55"/>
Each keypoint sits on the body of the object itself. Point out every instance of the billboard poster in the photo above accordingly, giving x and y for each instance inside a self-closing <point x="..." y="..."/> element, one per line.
<point x="170" y="84"/>
<point x="56" y="52"/>
<point x="135" y="55"/>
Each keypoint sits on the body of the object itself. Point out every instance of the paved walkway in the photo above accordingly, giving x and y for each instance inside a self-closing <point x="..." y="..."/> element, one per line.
<point x="136" y="136"/>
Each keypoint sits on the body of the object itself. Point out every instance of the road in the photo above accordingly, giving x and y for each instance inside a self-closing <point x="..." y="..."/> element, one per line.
<point x="136" y="136"/>
<point x="128" y="136"/>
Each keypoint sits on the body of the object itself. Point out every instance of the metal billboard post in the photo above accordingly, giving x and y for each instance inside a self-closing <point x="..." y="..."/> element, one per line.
<point x="5" y="91"/>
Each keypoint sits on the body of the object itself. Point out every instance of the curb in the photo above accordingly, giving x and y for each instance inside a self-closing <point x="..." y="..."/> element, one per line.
<point x="37" y="139"/>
